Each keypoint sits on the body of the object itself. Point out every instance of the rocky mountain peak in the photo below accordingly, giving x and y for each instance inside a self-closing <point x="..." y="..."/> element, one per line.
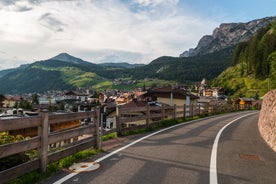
<point x="226" y="35"/>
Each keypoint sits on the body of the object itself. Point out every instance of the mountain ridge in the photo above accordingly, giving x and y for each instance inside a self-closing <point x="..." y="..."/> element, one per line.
<point x="227" y="34"/>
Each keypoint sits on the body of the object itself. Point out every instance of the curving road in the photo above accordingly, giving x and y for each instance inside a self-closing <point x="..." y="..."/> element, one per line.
<point x="188" y="153"/>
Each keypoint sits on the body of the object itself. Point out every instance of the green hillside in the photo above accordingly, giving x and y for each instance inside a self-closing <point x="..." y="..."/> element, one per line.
<point x="253" y="70"/>
<point x="49" y="75"/>
<point x="32" y="80"/>
<point x="179" y="69"/>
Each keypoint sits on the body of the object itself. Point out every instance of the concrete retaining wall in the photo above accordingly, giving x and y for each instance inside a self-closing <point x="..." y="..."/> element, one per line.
<point x="267" y="120"/>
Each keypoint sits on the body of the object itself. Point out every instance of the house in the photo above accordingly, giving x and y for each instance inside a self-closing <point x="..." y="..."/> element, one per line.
<point x="200" y="87"/>
<point x="171" y="95"/>
<point x="82" y="97"/>
<point x="11" y="101"/>
<point x="70" y="96"/>
<point x="245" y="103"/>
<point x="215" y="92"/>
<point x="124" y="98"/>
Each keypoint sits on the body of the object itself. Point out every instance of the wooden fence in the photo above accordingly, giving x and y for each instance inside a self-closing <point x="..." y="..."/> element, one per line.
<point x="126" y="120"/>
<point x="133" y="118"/>
<point x="46" y="138"/>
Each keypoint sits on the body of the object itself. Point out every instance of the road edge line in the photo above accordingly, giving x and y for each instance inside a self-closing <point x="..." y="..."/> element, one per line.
<point x="213" y="178"/>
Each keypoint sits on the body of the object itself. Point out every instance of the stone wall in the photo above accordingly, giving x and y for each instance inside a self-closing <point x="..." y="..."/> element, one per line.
<point x="267" y="119"/>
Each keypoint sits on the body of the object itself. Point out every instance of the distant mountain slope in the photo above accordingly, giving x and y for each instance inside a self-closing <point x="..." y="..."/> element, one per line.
<point x="253" y="70"/>
<point x="120" y="65"/>
<point x="51" y="74"/>
<point x="182" y="70"/>
<point x="55" y="74"/>
<point x="5" y="72"/>
<point x="32" y="80"/>
<point x="68" y="60"/>
<point x="227" y="35"/>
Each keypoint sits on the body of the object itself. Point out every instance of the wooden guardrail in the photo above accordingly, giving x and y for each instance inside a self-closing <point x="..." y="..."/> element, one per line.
<point x="148" y="115"/>
<point x="128" y="119"/>
<point x="45" y="138"/>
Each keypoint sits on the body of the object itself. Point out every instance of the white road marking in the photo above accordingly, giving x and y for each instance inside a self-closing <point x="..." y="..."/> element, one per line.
<point x="213" y="162"/>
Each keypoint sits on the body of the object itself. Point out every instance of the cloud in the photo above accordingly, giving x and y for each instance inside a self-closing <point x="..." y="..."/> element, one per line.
<point x="140" y="30"/>
<point x="52" y="23"/>
<point x="8" y="2"/>
<point x="17" y="5"/>
<point x="156" y="2"/>
<point x="20" y="8"/>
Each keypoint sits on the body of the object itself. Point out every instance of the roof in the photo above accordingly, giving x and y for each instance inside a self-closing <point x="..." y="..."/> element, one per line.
<point x="2" y="97"/>
<point x="167" y="90"/>
<point x="134" y="104"/>
<point x="70" y="93"/>
<point x="14" y="98"/>
<point x="247" y="99"/>
<point x="211" y="100"/>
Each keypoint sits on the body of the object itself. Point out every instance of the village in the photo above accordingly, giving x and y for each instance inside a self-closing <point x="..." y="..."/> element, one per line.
<point x="82" y="100"/>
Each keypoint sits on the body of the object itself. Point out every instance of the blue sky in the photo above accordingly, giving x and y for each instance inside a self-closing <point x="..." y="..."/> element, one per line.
<point x="231" y="10"/>
<point x="136" y="31"/>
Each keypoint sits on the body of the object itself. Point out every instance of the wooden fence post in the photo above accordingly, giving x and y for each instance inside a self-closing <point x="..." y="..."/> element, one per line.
<point x="162" y="112"/>
<point x="118" y="120"/>
<point x="199" y="109"/>
<point x="174" y="111"/>
<point x="148" y="115"/>
<point x="97" y="123"/>
<point x="43" y="132"/>
<point x="192" y="110"/>
<point x="184" y="111"/>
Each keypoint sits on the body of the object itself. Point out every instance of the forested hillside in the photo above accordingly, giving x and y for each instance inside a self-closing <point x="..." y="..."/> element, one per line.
<point x="182" y="70"/>
<point x="253" y="70"/>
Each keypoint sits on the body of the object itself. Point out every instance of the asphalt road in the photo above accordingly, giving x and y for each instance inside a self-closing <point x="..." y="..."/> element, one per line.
<point x="182" y="155"/>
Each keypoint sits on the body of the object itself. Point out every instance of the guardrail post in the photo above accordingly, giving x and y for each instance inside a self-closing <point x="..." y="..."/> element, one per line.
<point x="174" y="111"/>
<point x="184" y="111"/>
<point x="199" y="113"/>
<point x="101" y="130"/>
<point x="43" y="132"/>
<point x="192" y="110"/>
<point x="148" y="115"/>
<point x="162" y="112"/>
<point x="97" y="123"/>
<point x="118" y="120"/>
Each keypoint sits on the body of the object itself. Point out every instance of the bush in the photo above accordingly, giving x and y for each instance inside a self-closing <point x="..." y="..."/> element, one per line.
<point x="12" y="160"/>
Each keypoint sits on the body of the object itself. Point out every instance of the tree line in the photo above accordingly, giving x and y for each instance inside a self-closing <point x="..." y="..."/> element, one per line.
<point x="256" y="52"/>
